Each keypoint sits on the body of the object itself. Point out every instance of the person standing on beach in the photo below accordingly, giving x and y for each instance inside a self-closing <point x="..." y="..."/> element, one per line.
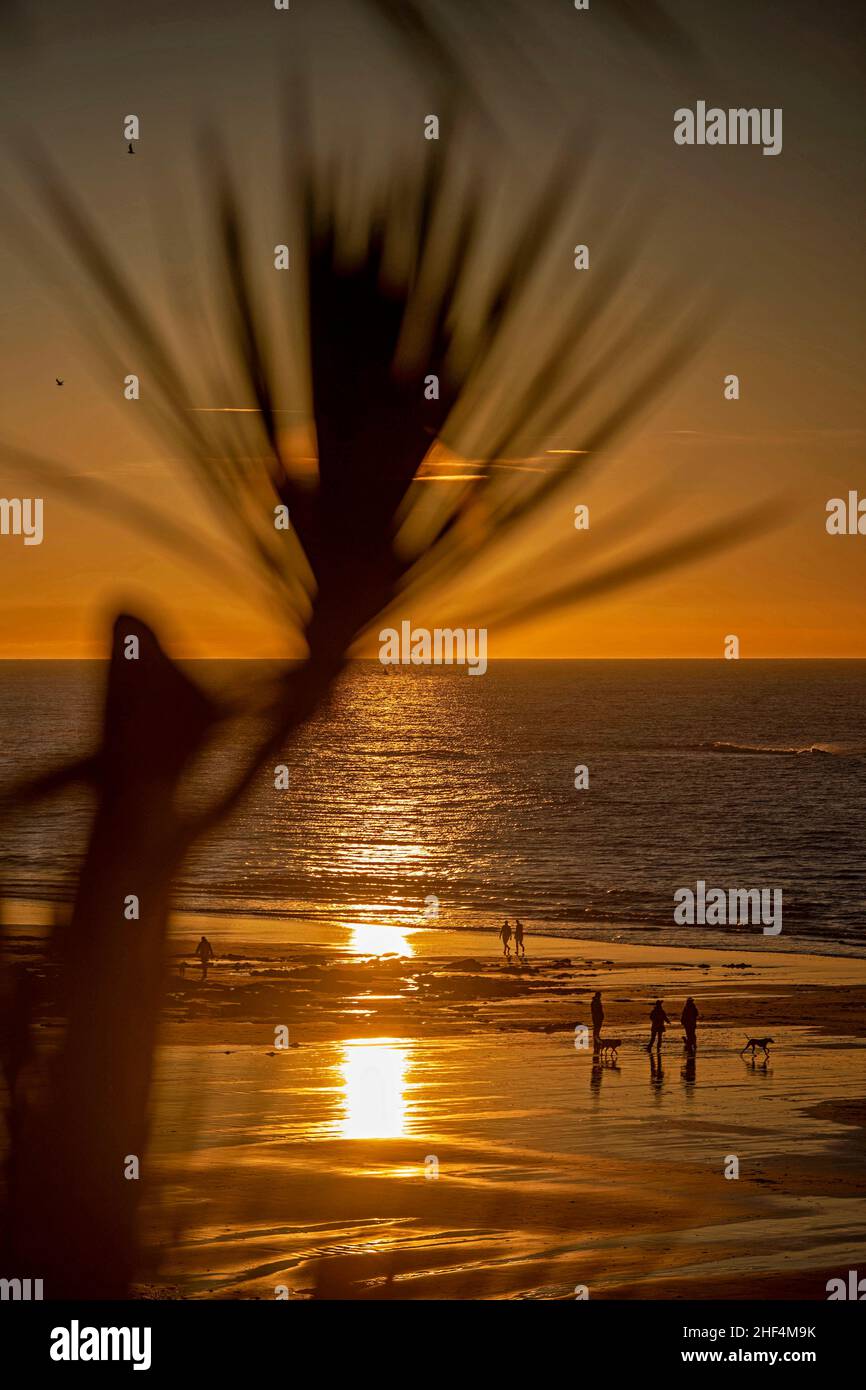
<point x="689" y="1020"/>
<point x="658" y="1019"/>
<point x="505" y="937"/>
<point x="205" y="953"/>
<point x="518" y="937"/>
<point x="596" y="1008"/>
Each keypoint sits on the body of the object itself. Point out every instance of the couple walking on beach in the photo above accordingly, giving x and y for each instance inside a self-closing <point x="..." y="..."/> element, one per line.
<point x="505" y="935"/>
<point x="658" y="1022"/>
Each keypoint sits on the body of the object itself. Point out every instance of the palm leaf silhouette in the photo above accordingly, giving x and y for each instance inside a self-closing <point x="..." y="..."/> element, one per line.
<point x="373" y="340"/>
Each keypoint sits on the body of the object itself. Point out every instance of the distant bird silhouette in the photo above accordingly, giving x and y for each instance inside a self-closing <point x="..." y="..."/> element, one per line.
<point x="59" y="382"/>
<point x="131" y="150"/>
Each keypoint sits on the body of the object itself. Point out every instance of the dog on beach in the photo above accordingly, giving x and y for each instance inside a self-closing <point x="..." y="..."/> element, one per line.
<point x="755" y="1043"/>
<point x="609" y="1045"/>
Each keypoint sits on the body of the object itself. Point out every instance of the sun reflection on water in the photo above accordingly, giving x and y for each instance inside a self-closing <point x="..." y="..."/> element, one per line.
<point x="373" y="1089"/>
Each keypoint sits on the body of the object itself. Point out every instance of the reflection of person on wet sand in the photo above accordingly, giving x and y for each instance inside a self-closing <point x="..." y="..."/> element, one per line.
<point x="658" y="1019"/>
<point x="205" y="953"/>
<point x="505" y="937"/>
<point x="689" y="1019"/>
<point x="596" y="1008"/>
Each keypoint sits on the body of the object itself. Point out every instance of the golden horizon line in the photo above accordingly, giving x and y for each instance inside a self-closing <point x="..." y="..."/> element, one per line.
<point x="281" y="657"/>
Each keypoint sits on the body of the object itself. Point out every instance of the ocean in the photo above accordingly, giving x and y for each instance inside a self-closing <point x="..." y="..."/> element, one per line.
<point x="431" y="797"/>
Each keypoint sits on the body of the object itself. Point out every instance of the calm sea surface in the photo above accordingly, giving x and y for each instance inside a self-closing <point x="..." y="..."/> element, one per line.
<point x="433" y="783"/>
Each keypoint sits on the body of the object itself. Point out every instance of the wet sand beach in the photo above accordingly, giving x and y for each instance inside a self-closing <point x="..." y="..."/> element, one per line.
<point x="433" y="1131"/>
<point x="334" y="1118"/>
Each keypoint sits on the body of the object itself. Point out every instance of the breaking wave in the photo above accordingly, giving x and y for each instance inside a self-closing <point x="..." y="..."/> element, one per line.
<point x="821" y="750"/>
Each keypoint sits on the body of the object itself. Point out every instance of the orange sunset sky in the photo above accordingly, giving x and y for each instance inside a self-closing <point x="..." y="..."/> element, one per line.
<point x="779" y="238"/>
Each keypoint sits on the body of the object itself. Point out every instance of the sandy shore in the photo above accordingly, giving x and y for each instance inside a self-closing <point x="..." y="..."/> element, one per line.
<point x="431" y="1130"/>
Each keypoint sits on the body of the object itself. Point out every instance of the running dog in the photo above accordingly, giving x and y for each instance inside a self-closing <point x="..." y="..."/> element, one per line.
<point x="755" y="1043"/>
<point x="609" y="1045"/>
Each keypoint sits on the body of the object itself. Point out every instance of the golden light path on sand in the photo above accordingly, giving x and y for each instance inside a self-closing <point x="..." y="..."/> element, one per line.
<point x="373" y="1072"/>
<point x="372" y="939"/>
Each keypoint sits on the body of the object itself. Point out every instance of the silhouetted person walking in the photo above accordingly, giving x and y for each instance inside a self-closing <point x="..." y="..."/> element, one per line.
<point x="689" y="1020"/>
<point x="658" y="1019"/>
<point x="596" y="1008"/>
<point x="518" y="937"/>
<point x="505" y="936"/>
<point x="205" y="953"/>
